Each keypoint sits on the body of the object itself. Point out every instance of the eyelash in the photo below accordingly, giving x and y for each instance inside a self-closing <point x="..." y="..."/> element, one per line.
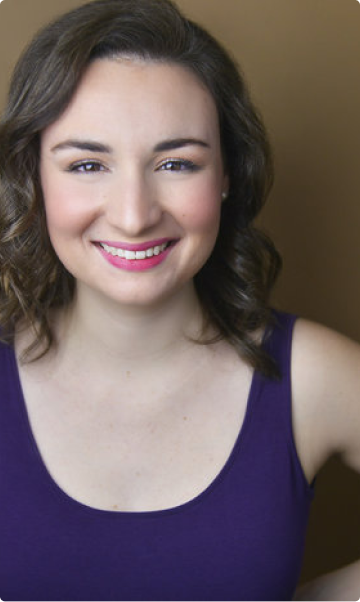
<point x="176" y="165"/>
<point x="75" y="167"/>
<point x="183" y="164"/>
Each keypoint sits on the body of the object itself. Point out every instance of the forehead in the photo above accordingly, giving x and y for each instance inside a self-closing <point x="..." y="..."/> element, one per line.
<point x="133" y="96"/>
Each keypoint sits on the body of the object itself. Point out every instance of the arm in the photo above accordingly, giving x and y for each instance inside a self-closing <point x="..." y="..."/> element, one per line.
<point x="326" y="414"/>
<point x="342" y="584"/>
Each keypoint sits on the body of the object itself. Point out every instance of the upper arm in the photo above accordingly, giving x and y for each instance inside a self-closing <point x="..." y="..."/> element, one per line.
<point x="326" y="396"/>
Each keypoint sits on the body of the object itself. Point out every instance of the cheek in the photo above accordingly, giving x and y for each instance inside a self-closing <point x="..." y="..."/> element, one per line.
<point x="66" y="213"/>
<point x="200" y="220"/>
<point x="201" y="212"/>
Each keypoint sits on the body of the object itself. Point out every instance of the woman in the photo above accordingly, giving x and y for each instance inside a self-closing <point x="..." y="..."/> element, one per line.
<point x="160" y="426"/>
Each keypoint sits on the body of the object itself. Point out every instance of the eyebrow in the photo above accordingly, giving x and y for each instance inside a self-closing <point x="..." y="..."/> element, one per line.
<point x="179" y="143"/>
<point x="87" y="145"/>
<point x="99" y="147"/>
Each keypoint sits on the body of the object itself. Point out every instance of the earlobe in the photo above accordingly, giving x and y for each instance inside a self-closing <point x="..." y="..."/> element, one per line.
<point x="226" y="186"/>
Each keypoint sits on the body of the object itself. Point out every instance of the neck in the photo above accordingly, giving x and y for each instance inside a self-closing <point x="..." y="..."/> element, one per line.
<point x="138" y="336"/>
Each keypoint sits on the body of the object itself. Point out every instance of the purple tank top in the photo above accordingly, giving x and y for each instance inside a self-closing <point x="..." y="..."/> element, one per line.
<point x="240" y="539"/>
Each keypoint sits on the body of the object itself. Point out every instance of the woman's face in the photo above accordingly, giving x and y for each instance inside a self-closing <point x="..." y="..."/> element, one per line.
<point x="132" y="176"/>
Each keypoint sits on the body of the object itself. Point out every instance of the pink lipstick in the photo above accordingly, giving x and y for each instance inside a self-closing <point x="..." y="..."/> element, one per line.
<point x="142" y="246"/>
<point x="136" y="257"/>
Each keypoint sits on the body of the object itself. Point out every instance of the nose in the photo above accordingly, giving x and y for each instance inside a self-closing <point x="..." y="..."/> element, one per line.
<point x="133" y="205"/>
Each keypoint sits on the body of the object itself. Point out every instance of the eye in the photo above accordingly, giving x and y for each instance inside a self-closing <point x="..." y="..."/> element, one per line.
<point x="178" y="165"/>
<point x="86" y="167"/>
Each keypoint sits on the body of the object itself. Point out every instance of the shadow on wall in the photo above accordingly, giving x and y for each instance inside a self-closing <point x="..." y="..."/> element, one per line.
<point x="334" y="525"/>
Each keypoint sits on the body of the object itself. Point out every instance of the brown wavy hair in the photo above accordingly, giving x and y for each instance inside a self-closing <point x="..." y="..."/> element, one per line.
<point x="235" y="283"/>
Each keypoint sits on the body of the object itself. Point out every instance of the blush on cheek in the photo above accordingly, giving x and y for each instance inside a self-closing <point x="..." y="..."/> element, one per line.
<point x="203" y="213"/>
<point x="65" y="215"/>
<point x="67" y="207"/>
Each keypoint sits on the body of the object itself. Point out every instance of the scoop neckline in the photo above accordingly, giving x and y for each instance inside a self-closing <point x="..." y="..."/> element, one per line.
<point x="77" y="505"/>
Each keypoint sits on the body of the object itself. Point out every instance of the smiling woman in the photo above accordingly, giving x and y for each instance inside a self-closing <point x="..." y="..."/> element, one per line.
<point x="161" y="426"/>
<point x="47" y="93"/>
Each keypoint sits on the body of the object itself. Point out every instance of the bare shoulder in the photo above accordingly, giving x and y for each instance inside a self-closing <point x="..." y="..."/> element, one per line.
<point x="326" y="395"/>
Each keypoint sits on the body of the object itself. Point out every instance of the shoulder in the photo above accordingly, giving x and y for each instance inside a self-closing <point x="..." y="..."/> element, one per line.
<point x="326" y="394"/>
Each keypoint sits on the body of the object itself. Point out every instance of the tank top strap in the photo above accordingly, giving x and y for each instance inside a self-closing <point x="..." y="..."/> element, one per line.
<point x="277" y="392"/>
<point x="271" y="430"/>
<point x="278" y="344"/>
<point x="6" y="366"/>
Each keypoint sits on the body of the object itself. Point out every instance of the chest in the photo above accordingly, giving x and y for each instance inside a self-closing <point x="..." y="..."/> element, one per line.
<point x="242" y="541"/>
<point x="139" y="446"/>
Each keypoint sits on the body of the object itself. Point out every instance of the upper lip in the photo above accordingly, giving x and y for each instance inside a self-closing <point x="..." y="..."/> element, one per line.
<point x="135" y="247"/>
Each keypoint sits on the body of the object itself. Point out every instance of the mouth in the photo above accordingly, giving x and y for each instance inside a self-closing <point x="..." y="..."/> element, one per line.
<point x="136" y="258"/>
<point x="136" y="253"/>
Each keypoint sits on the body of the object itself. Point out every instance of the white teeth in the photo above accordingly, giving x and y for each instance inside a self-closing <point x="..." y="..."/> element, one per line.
<point x="130" y="255"/>
<point x="124" y="253"/>
<point x="140" y="255"/>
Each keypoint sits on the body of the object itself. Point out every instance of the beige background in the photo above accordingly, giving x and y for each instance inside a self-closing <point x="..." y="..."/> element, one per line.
<point x="302" y="61"/>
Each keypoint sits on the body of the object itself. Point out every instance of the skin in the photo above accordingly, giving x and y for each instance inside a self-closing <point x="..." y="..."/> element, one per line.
<point x="134" y="193"/>
<point x="138" y="320"/>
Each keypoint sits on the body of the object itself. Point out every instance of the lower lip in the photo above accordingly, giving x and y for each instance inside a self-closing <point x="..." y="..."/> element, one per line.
<point x="136" y="265"/>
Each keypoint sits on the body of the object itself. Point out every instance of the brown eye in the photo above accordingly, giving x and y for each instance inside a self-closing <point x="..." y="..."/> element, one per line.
<point x="178" y="165"/>
<point x="86" y="167"/>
